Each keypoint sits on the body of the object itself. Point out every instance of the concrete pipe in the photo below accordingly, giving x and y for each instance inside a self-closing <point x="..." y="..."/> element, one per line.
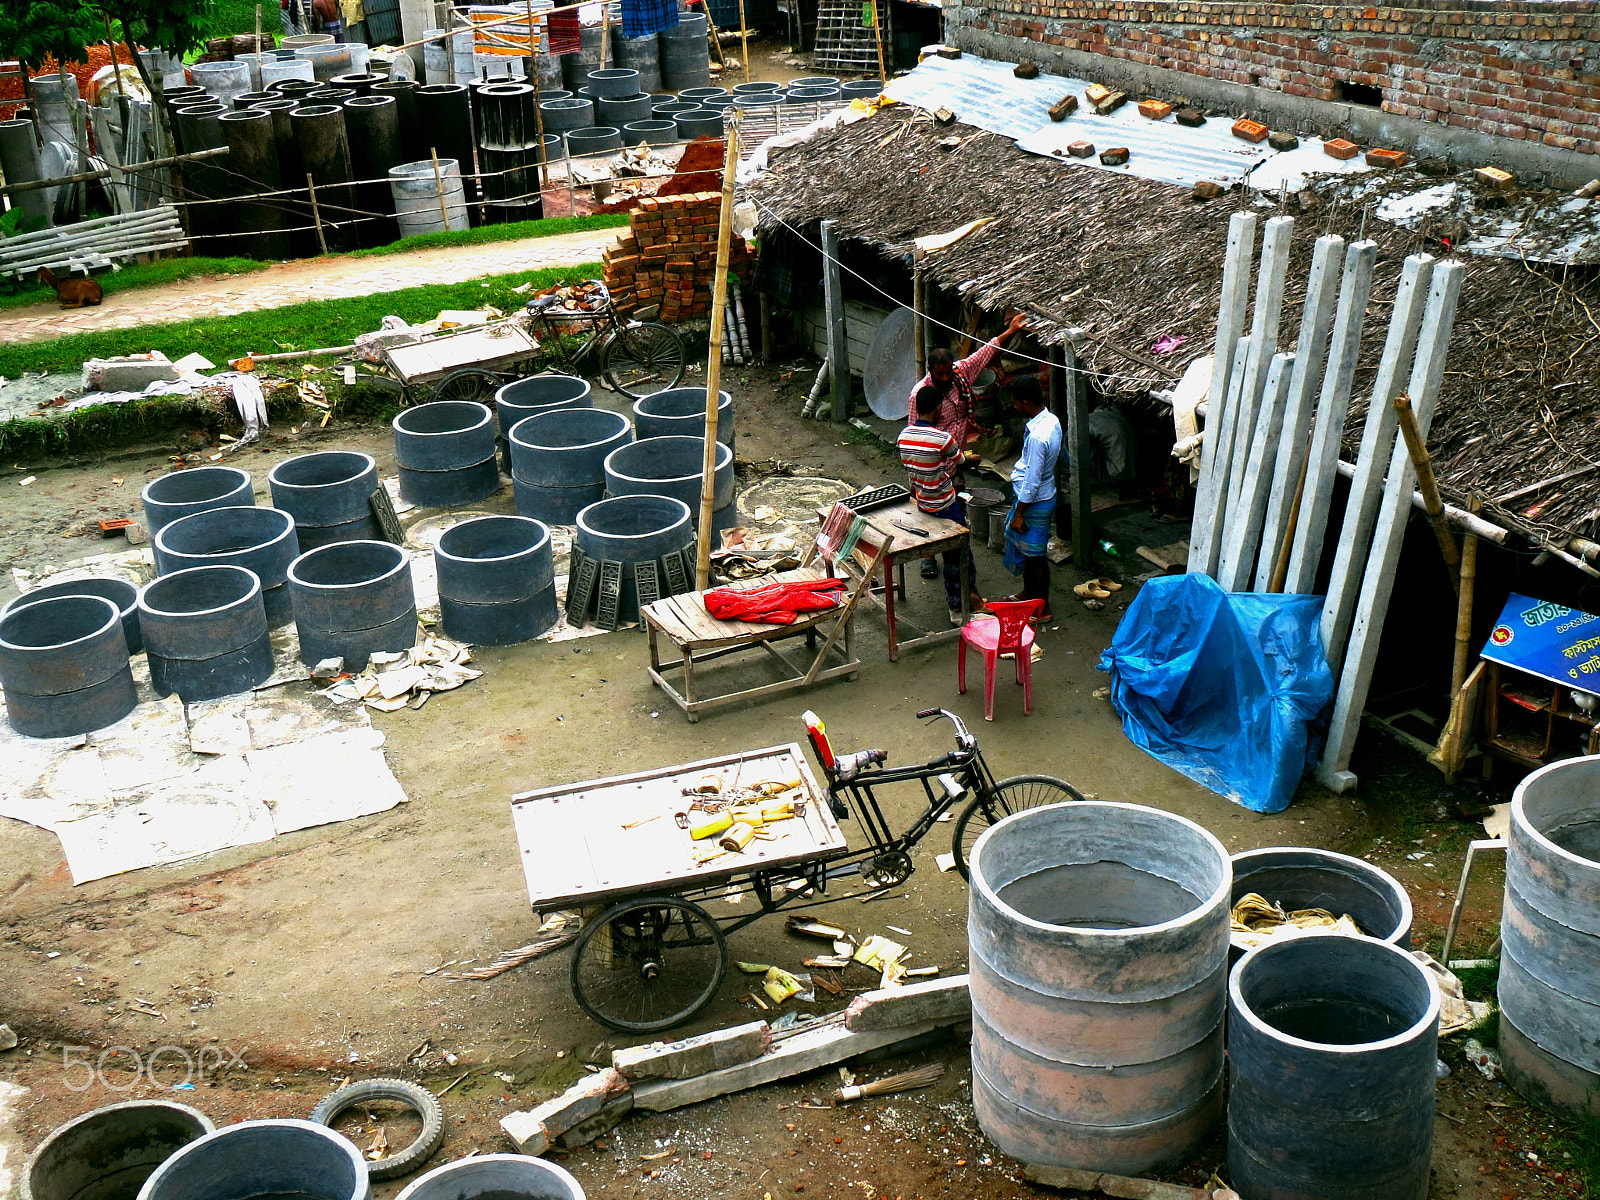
<point x="496" y="580"/>
<point x="654" y="133"/>
<point x="634" y="529"/>
<point x="183" y="493"/>
<point x="662" y="98"/>
<point x="373" y="123"/>
<point x="321" y="136"/>
<point x="810" y="95"/>
<point x="444" y="113"/>
<point x="352" y="599"/>
<point x="253" y="159"/>
<point x="699" y="122"/>
<point x="576" y="68"/>
<point x="361" y="82"/>
<point x="641" y="54"/>
<point x="119" y="591"/>
<point x="205" y="633"/>
<point x="415" y="191"/>
<point x="819" y="81"/>
<point x="327" y="60"/>
<point x="329" y="495"/>
<point x="258" y="539"/>
<point x="757" y="101"/>
<point x="538" y="394"/>
<point x="495" y="1177"/>
<point x="1304" y="877"/>
<point x="1550" y="923"/>
<point x="681" y="412"/>
<point x="685" y="57"/>
<point x="413" y="145"/>
<point x="754" y="87"/>
<point x="613" y="83"/>
<point x="721" y="103"/>
<point x="618" y="111"/>
<point x="1331" y="1049"/>
<point x="19" y="163"/>
<point x="292" y="1159"/>
<point x="253" y="63"/>
<point x="251" y="99"/>
<point x="222" y="80"/>
<point x="108" y="1153"/>
<point x="1098" y="937"/>
<point x="546" y="94"/>
<point x="863" y="89"/>
<point x="360" y="55"/>
<point x="699" y="95"/>
<point x="445" y="489"/>
<point x="64" y="666"/>
<point x="196" y="128"/>
<point x="560" y="116"/>
<point x="446" y="454"/>
<point x="281" y="69"/>
<point x="295" y="41"/>
<point x="669" y="110"/>
<point x="673" y="466"/>
<point x="558" y="460"/>
<point x="597" y="139"/>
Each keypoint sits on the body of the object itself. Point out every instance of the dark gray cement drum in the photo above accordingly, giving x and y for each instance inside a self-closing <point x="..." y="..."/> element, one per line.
<point x="674" y="466"/>
<point x="205" y="633"/>
<point x="495" y="1177"/>
<point x="445" y="452"/>
<point x="352" y="599"/>
<point x="329" y="495"/>
<point x="262" y="540"/>
<point x="537" y="394"/>
<point x="634" y="529"/>
<point x="119" y="591"/>
<point x="496" y="580"/>
<point x="681" y="412"/>
<point x="183" y="493"/>
<point x="108" y="1153"/>
<point x="1295" y="877"/>
<point x="286" y="1159"/>
<point x="64" y="666"/>
<point x="1550" y="923"/>
<point x="558" y="460"/>
<point x="1098" y="938"/>
<point x="1331" y="1048"/>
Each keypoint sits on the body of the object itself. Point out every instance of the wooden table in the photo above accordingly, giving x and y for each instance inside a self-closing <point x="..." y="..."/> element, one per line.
<point x="890" y="527"/>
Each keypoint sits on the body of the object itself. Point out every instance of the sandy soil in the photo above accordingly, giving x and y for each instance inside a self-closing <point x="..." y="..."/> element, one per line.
<point x="309" y="956"/>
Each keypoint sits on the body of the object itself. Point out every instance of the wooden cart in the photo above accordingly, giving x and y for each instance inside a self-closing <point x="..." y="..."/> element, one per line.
<point x="470" y="363"/>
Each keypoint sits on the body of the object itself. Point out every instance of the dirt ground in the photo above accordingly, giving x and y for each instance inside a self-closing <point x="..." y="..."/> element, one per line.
<point x="311" y="958"/>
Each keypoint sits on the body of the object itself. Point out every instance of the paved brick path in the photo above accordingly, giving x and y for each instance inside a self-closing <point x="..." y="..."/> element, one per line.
<point x="291" y="283"/>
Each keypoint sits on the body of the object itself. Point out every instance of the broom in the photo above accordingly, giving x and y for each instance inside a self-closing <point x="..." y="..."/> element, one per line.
<point x="919" y="1078"/>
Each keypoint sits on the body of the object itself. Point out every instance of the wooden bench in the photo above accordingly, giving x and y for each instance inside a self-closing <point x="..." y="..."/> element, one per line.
<point x="700" y="638"/>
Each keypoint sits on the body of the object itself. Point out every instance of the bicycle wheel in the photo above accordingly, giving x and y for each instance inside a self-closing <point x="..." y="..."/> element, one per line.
<point x="648" y="964"/>
<point x="1014" y="795"/>
<point x="468" y="383"/>
<point x="639" y="362"/>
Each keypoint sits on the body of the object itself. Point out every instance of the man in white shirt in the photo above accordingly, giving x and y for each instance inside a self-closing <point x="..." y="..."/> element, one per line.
<point x="1033" y="481"/>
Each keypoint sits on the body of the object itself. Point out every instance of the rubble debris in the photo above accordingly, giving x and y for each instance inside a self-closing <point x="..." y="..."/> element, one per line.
<point x="932" y="1000"/>
<point x="1124" y="1187"/>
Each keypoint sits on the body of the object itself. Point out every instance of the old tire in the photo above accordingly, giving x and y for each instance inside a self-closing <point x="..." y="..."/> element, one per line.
<point x="419" y="1100"/>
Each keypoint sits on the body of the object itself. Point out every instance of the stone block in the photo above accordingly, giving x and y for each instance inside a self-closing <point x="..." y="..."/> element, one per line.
<point x="696" y="1055"/>
<point x="1207" y="190"/>
<point x="1116" y="156"/>
<point x="1064" y="107"/>
<point x="1191" y="118"/>
<point x="1111" y="103"/>
<point x="1282" y="141"/>
<point x="580" y="1101"/>
<point x="1081" y="149"/>
<point x="1026" y="70"/>
<point x="524" y="1129"/>
<point x="128" y="374"/>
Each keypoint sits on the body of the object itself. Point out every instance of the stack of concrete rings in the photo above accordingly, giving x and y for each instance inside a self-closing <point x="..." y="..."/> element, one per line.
<point x="64" y="666"/>
<point x="532" y="396"/>
<point x="184" y="493"/>
<point x="259" y="539"/>
<point x="205" y="632"/>
<point x="351" y="600"/>
<point x="119" y="591"/>
<point x="630" y="530"/>
<point x="674" y="466"/>
<point x="497" y="583"/>
<point x="681" y="412"/>
<point x="329" y="495"/>
<point x="446" y="453"/>
<point x="558" y="460"/>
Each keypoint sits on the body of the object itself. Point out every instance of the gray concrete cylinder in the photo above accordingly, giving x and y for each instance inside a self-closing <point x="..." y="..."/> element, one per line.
<point x="755" y="86"/>
<point x="286" y="1158"/>
<point x="108" y="1153"/>
<point x="821" y="81"/>
<point x="327" y="60"/>
<point x="415" y="191"/>
<point x="1550" y="923"/>
<point x="253" y="63"/>
<point x="19" y="162"/>
<point x="633" y="529"/>
<point x="576" y="68"/>
<point x="558" y="460"/>
<point x="668" y="111"/>
<point x="64" y="666"/>
<point x="613" y="82"/>
<point x="329" y="495"/>
<point x="445" y="452"/>
<point x="617" y="111"/>
<point x="1098" y="938"/>
<point x="685" y="53"/>
<point x="119" y="591"/>
<point x="674" y="466"/>
<point x="1304" y="877"/>
<point x="699" y="122"/>
<point x="272" y="72"/>
<point x="654" y="133"/>
<point x="496" y="580"/>
<point x="352" y="599"/>
<point x="699" y="95"/>
<point x="253" y="160"/>
<point x="324" y="144"/>
<point x="259" y="539"/>
<point x="537" y="394"/>
<point x="559" y="116"/>
<point x="1331" y="1049"/>
<point x="205" y="633"/>
<point x="222" y="80"/>
<point x="597" y="139"/>
<point x="183" y="493"/>
<point x="810" y="95"/>
<point x="641" y="54"/>
<point x="863" y="89"/>
<point x="681" y="412"/>
<point x="495" y="1177"/>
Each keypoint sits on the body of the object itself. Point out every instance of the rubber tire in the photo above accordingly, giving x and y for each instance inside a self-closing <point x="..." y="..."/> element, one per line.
<point x="958" y="837"/>
<point x="672" y="1022"/>
<point x="418" y="1099"/>
<point x="658" y="333"/>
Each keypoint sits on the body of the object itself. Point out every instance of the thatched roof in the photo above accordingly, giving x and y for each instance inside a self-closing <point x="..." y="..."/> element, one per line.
<point x="1132" y="260"/>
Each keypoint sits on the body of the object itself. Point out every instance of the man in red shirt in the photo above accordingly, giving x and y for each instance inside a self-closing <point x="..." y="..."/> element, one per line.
<point x="933" y="461"/>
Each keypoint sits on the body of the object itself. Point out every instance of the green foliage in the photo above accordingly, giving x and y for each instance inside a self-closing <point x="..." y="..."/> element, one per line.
<point x="161" y="24"/>
<point x="33" y="30"/>
<point x="487" y="234"/>
<point x="14" y="221"/>
<point x="1582" y="1141"/>
<point x="136" y="275"/>
<point x="312" y="324"/>
<point x="229" y="17"/>
<point x="1479" y="983"/>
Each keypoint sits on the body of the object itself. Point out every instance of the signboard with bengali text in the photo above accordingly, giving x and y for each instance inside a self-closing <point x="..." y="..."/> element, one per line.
<point x="1549" y="640"/>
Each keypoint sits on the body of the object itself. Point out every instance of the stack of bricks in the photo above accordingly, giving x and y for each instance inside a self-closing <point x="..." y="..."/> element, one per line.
<point x="669" y="256"/>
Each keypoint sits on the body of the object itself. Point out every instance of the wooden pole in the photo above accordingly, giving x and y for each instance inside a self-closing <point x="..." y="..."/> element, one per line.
<point x="719" y="306"/>
<point x="311" y="189"/>
<point x="833" y="300"/>
<point x="1464" y="596"/>
<point x="535" y="39"/>
<point x="919" y="301"/>
<point x="716" y="38"/>
<point x="255" y="46"/>
<point x="877" y="36"/>
<point x="111" y="48"/>
<point x="744" y="42"/>
<point x="1077" y="431"/>
<point x="1280" y="569"/>
<point x="605" y="32"/>
<point x="438" y="183"/>
<point x="1429" y="487"/>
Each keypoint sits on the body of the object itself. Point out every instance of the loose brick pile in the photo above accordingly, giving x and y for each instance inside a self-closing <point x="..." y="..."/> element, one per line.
<point x="669" y="256"/>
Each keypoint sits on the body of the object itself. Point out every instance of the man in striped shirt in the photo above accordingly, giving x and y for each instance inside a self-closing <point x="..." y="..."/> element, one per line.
<point x="933" y="461"/>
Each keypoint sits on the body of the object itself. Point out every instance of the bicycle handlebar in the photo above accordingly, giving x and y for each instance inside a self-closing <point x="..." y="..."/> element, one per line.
<point x="963" y="738"/>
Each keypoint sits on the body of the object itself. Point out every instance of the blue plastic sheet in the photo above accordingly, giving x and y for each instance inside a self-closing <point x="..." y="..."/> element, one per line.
<point x="1231" y="690"/>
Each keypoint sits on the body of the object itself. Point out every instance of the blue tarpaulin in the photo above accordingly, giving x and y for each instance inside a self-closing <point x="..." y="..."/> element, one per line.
<point x="1230" y="689"/>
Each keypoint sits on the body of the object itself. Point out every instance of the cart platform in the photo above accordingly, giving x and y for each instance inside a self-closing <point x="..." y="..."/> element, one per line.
<point x="489" y="347"/>
<point x="587" y="843"/>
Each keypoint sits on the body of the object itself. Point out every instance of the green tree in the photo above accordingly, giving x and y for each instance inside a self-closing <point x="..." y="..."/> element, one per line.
<point x="35" y="30"/>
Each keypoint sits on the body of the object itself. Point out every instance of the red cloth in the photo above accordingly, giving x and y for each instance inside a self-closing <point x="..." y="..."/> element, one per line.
<point x="775" y="604"/>
<point x="562" y="27"/>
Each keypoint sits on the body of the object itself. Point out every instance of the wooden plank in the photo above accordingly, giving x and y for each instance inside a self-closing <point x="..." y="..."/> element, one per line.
<point x="1241" y="536"/>
<point x="1377" y="443"/>
<point x="1080" y="488"/>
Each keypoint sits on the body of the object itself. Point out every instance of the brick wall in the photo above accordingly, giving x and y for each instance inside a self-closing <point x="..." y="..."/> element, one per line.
<point x="669" y="256"/>
<point x="1520" y="69"/>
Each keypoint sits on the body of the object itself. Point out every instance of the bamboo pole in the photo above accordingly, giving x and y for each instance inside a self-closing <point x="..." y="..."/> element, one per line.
<point x="1464" y="597"/>
<point x="744" y="42"/>
<point x="877" y="36"/>
<point x="311" y="189"/>
<point x="1428" y="486"/>
<point x="255" y="47"/>
<point x="535" y="37"/>
<point x="719" y="301"/>
<point x="438" y="184"/>
<point x="1280" y="568"/>
<point x="12" y="189"/>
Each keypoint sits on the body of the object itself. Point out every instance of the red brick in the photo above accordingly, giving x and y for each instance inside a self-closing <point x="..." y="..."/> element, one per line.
<point x="1341" y="149"/>
<point x="1387" y="158"/>
<point x="1156" y="110"/>
<point x="1081" y="149"/>
<point x="1250" y="131"/>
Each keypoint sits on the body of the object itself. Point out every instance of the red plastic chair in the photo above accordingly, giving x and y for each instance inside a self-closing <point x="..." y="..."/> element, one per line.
<point x="1010" y="633"/>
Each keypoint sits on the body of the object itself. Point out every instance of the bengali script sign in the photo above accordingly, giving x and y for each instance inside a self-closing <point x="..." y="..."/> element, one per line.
<point x="1547" y="639"/>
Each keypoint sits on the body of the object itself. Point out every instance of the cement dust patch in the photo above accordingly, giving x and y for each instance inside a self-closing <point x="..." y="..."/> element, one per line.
<point x="789" y="504"/>
<point x="330" y="777"/>
<point x="11" y="1154"/>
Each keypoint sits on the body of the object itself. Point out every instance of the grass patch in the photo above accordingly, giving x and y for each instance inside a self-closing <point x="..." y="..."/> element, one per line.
<point x="239" y="16"/>
<point x="141" y="275"/>
<point x="487" y="234"/>
<point x="306" y="326"/>
<point x="1479" y="983"/>
<point x="108" y="426"/>
<point x="1581" y="1139"/>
